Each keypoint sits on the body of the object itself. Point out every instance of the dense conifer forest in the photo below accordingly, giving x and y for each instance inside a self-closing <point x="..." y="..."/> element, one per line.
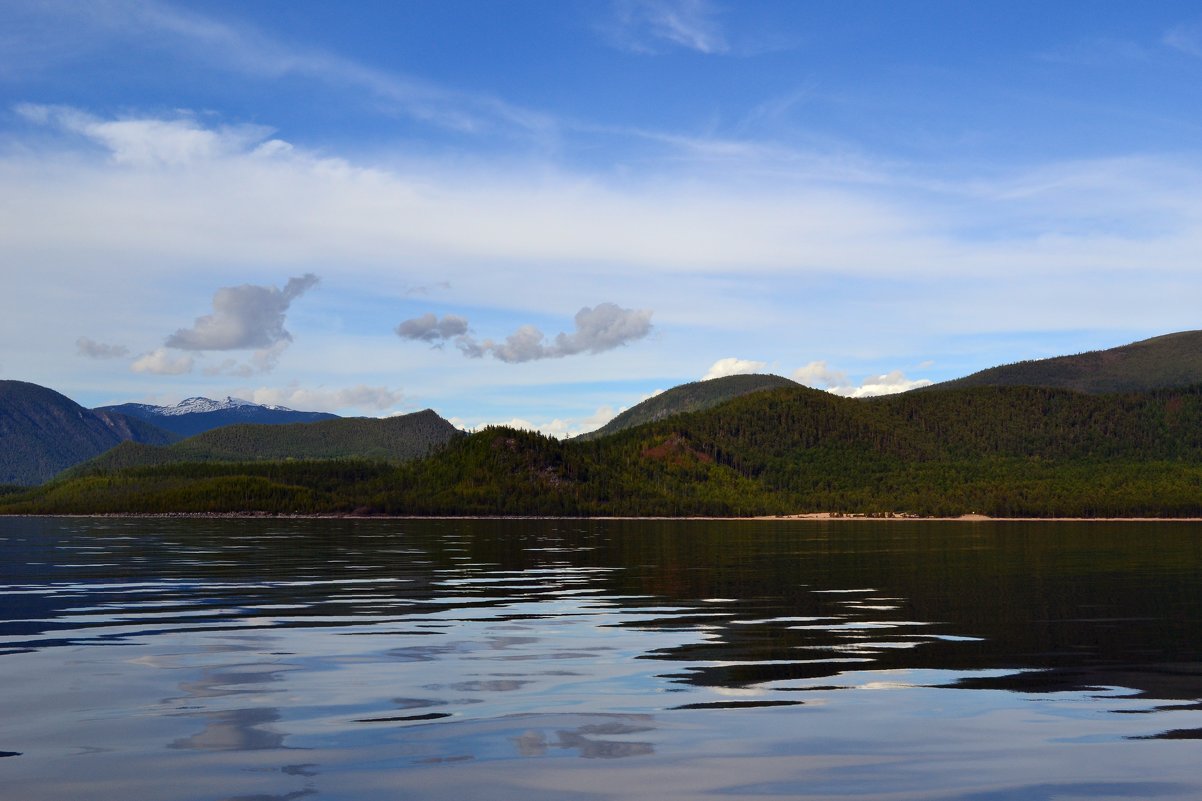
<point x="1001" y="451"/>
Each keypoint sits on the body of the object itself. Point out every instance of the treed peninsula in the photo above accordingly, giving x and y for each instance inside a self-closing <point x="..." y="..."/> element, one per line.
<point x="1114" y="433"/>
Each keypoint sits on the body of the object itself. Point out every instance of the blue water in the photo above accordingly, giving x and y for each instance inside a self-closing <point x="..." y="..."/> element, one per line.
<point x="261" y="659"/>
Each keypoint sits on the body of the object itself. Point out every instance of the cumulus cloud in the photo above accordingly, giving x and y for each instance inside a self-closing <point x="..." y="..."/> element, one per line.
<point x="888" y="383"/>
<point x="99" y="350"/>
<point x="429" y="328"/>
<point x="820" y="375"/>
<point x="603" y="327"/>
<point x="557" y="427"/>
<point x="361" y="396"/>
<point x="162" y="362"/>
<point x="733" y="366"/>
<point x="246" y="316"/>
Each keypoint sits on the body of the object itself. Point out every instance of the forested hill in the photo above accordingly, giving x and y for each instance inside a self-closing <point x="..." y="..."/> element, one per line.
<point x="42" y="432"/>
<point x="391" y="439"/>
<point x="1172" y="360"/>
<point x="1004" y="451"/>
<point x="691" y="397"/>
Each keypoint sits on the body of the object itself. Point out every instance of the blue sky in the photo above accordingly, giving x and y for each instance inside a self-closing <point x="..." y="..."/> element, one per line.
<point x="543" y="212"/>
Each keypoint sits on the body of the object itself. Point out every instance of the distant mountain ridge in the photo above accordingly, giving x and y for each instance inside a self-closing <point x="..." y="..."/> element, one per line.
<point x="196" y="415"/>
<point x="391" y="439"/>
<point x="1171" y="360"/>
<point x="199" y="405"/>
<point x="44" y="432"/>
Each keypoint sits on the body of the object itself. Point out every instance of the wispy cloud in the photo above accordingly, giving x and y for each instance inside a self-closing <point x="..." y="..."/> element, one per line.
<point x="1098" y="52"/>
<point x="1187" y="38"/>
<point x="649" y="26"/>
<point x="426" y="289"/>
<point x="692" y="242"/>
<point x="238" y="46"/>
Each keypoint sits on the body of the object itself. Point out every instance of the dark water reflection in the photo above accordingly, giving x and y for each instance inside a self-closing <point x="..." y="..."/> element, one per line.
<point x="602" y="659"/>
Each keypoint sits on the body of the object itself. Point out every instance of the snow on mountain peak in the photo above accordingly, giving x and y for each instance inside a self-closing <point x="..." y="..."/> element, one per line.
<point x="199" y="405"/>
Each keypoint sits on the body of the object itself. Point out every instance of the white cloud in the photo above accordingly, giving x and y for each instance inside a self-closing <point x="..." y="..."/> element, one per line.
<point x="645" y="26"/>
<point x="819" y="375"/>
<point x="100" y="350"/>
<point x="558" y="427"/>
<point x="148" y="141"/>
<point x="722" y="254"/>
<point x="733" y="366"/>
<point x="244" y="207"/>
<point x="246" y="316"/>
<point x="603" y="327"/>
<point x="361" y="397"/>
<point x="887" y="384"/>
<point x="263" y="360"/>
<point x="162" y="362"/>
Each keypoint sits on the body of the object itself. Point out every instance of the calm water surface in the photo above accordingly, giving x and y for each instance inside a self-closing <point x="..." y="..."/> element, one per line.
<point x="271" y="660"/>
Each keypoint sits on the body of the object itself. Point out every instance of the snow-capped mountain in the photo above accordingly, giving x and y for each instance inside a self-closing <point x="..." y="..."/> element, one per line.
<point x="195" y="415"/>
<point x="200" y="405"/>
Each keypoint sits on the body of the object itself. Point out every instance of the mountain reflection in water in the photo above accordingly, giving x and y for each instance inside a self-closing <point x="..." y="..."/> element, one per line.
<point x="181" y="659"/>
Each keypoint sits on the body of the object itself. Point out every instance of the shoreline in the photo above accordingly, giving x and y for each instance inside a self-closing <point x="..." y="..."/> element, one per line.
<point x="835" y="517"/>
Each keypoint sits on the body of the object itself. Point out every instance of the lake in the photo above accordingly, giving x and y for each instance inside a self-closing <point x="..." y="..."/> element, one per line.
<point x="566" y="659"/>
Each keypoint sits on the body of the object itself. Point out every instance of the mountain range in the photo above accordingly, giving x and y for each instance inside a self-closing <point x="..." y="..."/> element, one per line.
<point x="1115" y="432"/>
<point x="45" y="432"/>
<point x="197" y="415"/>
<point x="391" y="439"/>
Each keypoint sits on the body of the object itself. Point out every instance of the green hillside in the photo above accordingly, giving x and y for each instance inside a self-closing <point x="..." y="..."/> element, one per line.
<point x="691" y="397"/>
<point x="1004" y="451"/>
<point x="1172" y="360"/>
